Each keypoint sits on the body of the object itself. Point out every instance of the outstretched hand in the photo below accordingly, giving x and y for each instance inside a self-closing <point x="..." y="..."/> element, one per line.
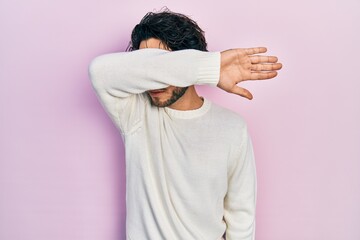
<point x="241" y="64"/>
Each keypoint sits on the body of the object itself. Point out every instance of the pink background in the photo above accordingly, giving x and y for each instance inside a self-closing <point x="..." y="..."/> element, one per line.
<point x="62" y="173"/>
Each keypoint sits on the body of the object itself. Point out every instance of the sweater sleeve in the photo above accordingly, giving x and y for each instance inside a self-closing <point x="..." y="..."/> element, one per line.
<point x="240" y="200"/>
<point x="121" y="79"/>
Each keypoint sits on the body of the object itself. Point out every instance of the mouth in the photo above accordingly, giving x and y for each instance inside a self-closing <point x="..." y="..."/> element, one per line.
<point x="156" y="92"/>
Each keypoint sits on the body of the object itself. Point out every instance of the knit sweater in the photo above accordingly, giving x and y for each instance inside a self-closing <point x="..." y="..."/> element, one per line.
<point x="190" y="175"/>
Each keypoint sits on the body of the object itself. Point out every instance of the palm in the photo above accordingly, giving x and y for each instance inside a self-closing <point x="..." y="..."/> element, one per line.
<point x="239" y="65"/>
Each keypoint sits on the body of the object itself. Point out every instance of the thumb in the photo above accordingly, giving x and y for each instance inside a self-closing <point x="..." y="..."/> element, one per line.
<point x="241" y="92"/>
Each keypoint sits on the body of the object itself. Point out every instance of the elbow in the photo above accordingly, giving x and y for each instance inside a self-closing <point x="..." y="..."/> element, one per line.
<point x="95" y="69"/>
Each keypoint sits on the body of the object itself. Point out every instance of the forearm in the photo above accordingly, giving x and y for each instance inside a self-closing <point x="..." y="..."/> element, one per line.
<point x="126" y="73"/>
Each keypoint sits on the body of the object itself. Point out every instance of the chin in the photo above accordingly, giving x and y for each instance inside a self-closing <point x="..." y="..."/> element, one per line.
<point x="160" y="103"/>
<point x="164" y="100"/>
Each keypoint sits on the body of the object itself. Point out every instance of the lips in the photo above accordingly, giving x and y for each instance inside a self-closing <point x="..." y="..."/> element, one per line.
<point x="156" y="92"/>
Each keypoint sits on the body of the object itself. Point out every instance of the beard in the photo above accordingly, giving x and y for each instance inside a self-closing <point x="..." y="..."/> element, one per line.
<point x="177" y="93"/>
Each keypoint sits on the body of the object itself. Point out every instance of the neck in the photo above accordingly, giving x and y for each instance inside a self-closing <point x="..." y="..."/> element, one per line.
<point x="189" y="101"/>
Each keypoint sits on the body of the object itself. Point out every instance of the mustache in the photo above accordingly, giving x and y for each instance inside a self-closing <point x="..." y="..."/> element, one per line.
<point x="157" y="90"/>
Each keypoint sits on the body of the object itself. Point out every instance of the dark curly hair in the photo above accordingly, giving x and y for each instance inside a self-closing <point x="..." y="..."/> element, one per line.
<point x="176" y="31"/>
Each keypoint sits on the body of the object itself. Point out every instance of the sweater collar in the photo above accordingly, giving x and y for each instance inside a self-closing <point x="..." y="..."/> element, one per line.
<point x="187" y="114"/>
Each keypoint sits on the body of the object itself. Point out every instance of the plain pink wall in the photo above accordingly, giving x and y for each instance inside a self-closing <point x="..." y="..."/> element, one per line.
<point x="62" y="173"/>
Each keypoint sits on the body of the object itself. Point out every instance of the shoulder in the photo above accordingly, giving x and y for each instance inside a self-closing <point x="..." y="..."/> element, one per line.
<point x="227" y="117"/>
<point x="229" y="126"/>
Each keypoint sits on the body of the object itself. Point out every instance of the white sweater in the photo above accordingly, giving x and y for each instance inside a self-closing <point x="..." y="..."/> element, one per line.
<point x="190" y="175"/>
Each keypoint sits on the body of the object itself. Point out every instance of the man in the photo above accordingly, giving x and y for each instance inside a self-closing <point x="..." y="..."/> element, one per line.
<point x="190" y="168"/>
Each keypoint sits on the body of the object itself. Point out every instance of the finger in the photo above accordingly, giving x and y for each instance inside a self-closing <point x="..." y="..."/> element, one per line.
<point x="266" y="67"/>
<point x="263" y="59"/>
<point x="262" y="75"/>
<point x="255" y="50"/>
<point x="241" y="92"/>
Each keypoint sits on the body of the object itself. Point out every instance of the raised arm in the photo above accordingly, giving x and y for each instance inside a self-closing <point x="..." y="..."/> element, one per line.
<point x="126" y="73"/>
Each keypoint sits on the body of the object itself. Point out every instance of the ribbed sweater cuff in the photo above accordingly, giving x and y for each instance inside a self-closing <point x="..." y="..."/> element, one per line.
<point x="209" y="69"/>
